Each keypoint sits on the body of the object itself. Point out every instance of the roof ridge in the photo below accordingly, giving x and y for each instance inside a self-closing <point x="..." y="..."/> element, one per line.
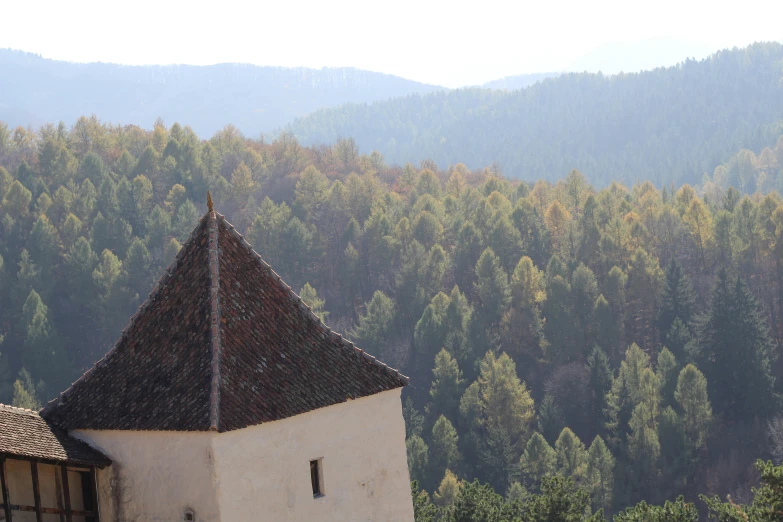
<point x="17" y="409"/>
<point x="214" y="319"/>
<point x="303" y="306"/>
<point x="143" y="306"/>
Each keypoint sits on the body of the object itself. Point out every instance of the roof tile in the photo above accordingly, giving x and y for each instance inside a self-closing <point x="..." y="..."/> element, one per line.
<point x="24" y="433"/>
<point x="222" y="343"/>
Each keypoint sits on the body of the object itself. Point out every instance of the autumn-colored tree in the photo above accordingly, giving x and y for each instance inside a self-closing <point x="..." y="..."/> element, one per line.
<point x="557" y="219"/>
<point x="699" y="222"/>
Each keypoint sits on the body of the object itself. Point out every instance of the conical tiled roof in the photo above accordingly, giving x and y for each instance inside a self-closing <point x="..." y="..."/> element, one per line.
<point x="222" y="343"/>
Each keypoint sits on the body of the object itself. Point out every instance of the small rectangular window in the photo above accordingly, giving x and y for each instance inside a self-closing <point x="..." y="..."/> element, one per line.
<point x="317" y="477"/>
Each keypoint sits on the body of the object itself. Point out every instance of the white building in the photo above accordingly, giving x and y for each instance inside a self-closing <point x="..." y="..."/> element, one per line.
<point x="225" y="399"/>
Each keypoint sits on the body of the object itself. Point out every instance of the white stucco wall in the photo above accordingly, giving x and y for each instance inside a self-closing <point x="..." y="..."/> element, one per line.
<point x="155" y="475"/>
<point x="264" y="470"/>
<point x="262" y="473"/>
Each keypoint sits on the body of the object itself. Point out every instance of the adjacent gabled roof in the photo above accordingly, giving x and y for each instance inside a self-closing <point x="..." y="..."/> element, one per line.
<point x="222" y="343"/>
<point x="23" y="433"/>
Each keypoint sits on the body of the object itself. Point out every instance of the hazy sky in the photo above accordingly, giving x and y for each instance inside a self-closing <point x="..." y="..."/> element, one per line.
<point x="442" y="42"/>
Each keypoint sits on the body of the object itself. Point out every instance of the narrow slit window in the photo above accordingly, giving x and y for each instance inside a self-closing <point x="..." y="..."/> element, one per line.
<point x="316" y="477"/>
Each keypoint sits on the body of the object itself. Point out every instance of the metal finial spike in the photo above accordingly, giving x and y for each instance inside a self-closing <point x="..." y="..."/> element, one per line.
<point x="209" y="201"/>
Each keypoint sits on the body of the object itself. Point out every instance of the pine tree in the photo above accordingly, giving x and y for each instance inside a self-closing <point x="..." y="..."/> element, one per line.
<point x="699" y="222"/>
<point x="186" y="218"/>
<point x="459" y="316"/>
<point x="137" y="268"/>
<point x="560" y="328"/>
<point x="296" y="243"/>
<point x="43" y="352"/>
<point x="644" y="447"/>
<point x="492" y="288"/>
<point x="414" y="421"/>
<point x="557" y="219"/>
<point x="674" y="460"/>
<point x="446" y="388"/>
<point x="71" y="229"/>
<point x="158" y="227"/>
<point x="497" y="409"/>
<point x="311" y="192"/>
<point x="44" y="245"/>
<point x="584" y="287"/>
<point x="736" y="352"/>
<point x="429" y="335"/>
<point x="467" y="250"/>
<point x="589" y="248"/>
<point x="614" y="291"/>
<point x="604" y="328"/>
<point x="408" y="287"/>
<point x="551" y="420"/>
<point x="677" y="299"/>
<point x="644" y="281"/>
<point x="427" y="229"/>
<point x="418" y="457"/>
<point x="310" y="297"/>
<point x="626" y="393"/>
<point x="522" y="329"/>
<point x="571" y="455"/>
<point x="535" y="237"/>
<point x="538" y="460"/>
<point x="599" y="474"/>
<point x="431" y="273"/>
<point x="79" y="263"/>
<point x="375" y="328"/>
<point x="497" y="456"/>
<point x="84" y="205"/>
<point x="600" y="378"/>
<point x="667" y="370"/>
<point x="678" y="340"/>
<point x="16" y="201"/>
<point x="444" y="448"/>
<point x="691" y="395"/>
<point x="26" y="393"/>
<point x="499" y="398"/>
<point x="517" y="493"/>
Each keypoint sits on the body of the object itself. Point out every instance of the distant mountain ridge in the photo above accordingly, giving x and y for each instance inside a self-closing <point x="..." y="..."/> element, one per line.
<point x="519" y="81"/>
<point x="667" y="125"/>
<point x="255" y="99"/>
<point x="647" y="54"/>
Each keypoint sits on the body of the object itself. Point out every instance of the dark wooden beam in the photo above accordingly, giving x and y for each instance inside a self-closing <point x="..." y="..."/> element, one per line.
<point x="50" y="511"/>
<point x="74" y="464"/>
<point x="36" y="491"/>
<point x="95" y="508"/>
<point x="66" y="493"/>
<point x="4" y="486"/>
<point x="58" y="492"/>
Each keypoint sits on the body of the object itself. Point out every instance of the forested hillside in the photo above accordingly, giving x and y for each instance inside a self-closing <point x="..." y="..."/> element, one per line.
<point x="668" y="125"/>
<point x="34" y="90"/>
<point x="626" y="337"/>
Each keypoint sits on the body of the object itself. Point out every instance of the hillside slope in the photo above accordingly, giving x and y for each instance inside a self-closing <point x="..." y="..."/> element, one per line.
<point x="255" y="99"/>
<point x="666" y="125"/>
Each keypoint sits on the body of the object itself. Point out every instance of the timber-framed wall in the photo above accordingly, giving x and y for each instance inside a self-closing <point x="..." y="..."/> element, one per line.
<point x="72" y="490"/>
